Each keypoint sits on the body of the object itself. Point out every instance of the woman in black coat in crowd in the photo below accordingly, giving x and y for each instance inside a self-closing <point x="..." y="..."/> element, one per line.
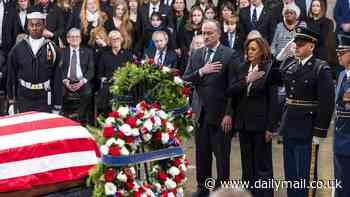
<point x="319" y="23"/>
<point x="111" y="59"/>
<point x="253" y="108"/>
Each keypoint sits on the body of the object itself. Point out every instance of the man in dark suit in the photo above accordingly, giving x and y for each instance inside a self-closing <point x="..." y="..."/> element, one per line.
<point x="258" y="17"/>
<point x="54" y="28"/>
<point x="78" y="71"/>
<point x="162" y="55"/>
<point x="210" y="69"/>
<point x="145" y="12"/>
<point x="308" y="110"/>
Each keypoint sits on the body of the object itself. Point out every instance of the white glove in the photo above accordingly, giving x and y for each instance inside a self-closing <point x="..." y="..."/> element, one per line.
<point x="11" y="110"/>
<point x="317" y="140"/>
<point x="283" y="54"/>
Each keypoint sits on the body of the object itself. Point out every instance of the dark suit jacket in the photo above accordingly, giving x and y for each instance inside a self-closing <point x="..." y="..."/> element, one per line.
<point x="238" y="44"/>
<point x="253" y="112"/>
<point x="86" y="62"/>
<point x="170" y="57"/>
<point x="8" y="27"/>
<point x="143" y="20"/>
<point x="341" y="14"/>
<point x="212" y="100"/>
<point x="54" y="20"/>
<point x="266" y="23"/>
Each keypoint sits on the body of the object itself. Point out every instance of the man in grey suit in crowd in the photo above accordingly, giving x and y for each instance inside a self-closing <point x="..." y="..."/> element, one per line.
<point x="210" y="69"/>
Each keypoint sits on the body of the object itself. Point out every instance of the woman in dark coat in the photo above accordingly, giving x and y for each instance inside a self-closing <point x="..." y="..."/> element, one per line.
<point x="318" y="22"/>
<point x="253" y="108"/>
<point x="110" y="60"/>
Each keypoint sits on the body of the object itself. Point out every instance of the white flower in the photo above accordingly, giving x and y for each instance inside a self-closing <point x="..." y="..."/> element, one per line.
<point x="170" y="126"/>
<point x="147" y="137"/>
<point x="178" y="80"/>
<point x="170" y="184"/>
<point x="110" y="142"/>
<point x="158" y="186"/>
<point x="132" y="170"/>
<point x="183" y="167"/>
<point x="180" y="191"/>
<point x="126" y="129"/>
<point x="104" y="149"/>
<point x="120" y="142"/>
<point x="109" y="121"/>
<point x="124" y="151"/>
<point x="171" y="194"/>
<point x="110" y="189"/>
<point x="148" y="124"/>
<point x="149" y="192"/>
<point x="158" y="121"/>
<point x="138" y="122"/>
<point x="166" y="69"/>
<point x="135" y="132"/>
<point x="165" y="138"/>
<point x="136" y="185"/>
<point x="189" y="128"/>
<point x="123" y="111"/>
<point x="122" y="177"/>
<point x="162" y="114"/>
<point x="174" y="171"/>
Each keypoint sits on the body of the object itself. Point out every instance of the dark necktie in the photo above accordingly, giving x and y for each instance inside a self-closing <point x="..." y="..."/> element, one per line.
<point x="160" y="57"/>
<point x="73" y="67"/>
<point x="207" y="57"/>
<point x="255" y="18"/>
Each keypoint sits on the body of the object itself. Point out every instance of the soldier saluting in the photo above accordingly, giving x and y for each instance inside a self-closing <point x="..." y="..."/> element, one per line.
<point x="34" y="75"/>
<point x="308" y="111"/>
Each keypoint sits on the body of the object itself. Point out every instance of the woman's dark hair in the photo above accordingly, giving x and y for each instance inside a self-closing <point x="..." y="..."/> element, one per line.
<point x="228" y="5"/>
<point x="263" y="46"/>
<point x="211" y="7"/>
<point x="323" y="8"/>
<point x="198" y="2"/>
<point x="189" y="25"/>
<point x="185" y="10"/>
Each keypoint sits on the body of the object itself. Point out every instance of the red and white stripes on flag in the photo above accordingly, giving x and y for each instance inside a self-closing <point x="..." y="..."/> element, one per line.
<point x="40" y="149"/>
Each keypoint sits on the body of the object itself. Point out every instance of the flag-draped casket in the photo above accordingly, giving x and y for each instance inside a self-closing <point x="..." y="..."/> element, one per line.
<point x="38" y="149"/>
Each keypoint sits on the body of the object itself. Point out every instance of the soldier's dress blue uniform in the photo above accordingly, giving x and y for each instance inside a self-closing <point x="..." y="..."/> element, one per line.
<point x="307" y="113"/>
<point x="342" y="128"/>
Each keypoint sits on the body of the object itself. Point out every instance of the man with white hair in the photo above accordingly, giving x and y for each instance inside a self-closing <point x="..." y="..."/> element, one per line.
<point x="34" y="74"/>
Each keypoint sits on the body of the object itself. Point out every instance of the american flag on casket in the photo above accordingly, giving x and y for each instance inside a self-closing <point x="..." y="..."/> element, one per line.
<point x="39" y="149"/>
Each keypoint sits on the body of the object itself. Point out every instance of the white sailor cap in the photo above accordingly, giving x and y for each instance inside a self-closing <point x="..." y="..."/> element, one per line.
<point x="36" y="15"/>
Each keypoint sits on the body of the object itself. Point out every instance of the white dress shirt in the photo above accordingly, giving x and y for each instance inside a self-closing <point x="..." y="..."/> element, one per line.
<point x="151" y="6"/>
<point x="35" y="44"/>
<point x="259" y="10"/>
<point x="303" y="62"/>
<point x="79" y="71"/>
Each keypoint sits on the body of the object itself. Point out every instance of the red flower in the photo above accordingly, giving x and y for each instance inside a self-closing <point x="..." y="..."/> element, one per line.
<point x="186" y="91"/>
<point x="142" y="190"/>
<point x="120" y="135"/>
<point x="130" y="185"/>
<point x="171" y="135"/>
<point x="109" y="175"/>
<point x="178" y="179"/>
<point x="189" y="114"/>
<point x="119" y="194"/>
<point x="151" y="61"/>
<point x="162" y="176"/>
<point x="114" y="114"/>
<point x="129" y="140"/>
<point x="177" y="162"/>
<point x="165" y="194"/>
<point x="137" y="194"/>
<point x="144" y="130"/>
<point x="155" y="105"/>
<point x="139" y="115"/>
<point x="163" y="122"/>
<point x="114" y="151"/>
<point x="158" y="136"/>
<point x="143" y="105"/>
<point x="108" y="132"/>
<point x="152" y="120"/>
<point x="131" y="122"/>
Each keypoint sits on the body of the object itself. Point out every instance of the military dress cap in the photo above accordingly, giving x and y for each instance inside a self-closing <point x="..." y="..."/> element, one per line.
<point x="36" y="15"/>
<point x="305" y="34"/>
<point x="343" y="43"/>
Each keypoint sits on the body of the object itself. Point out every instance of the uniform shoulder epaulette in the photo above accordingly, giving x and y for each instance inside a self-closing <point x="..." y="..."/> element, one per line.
<point x="319" y="65"/>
